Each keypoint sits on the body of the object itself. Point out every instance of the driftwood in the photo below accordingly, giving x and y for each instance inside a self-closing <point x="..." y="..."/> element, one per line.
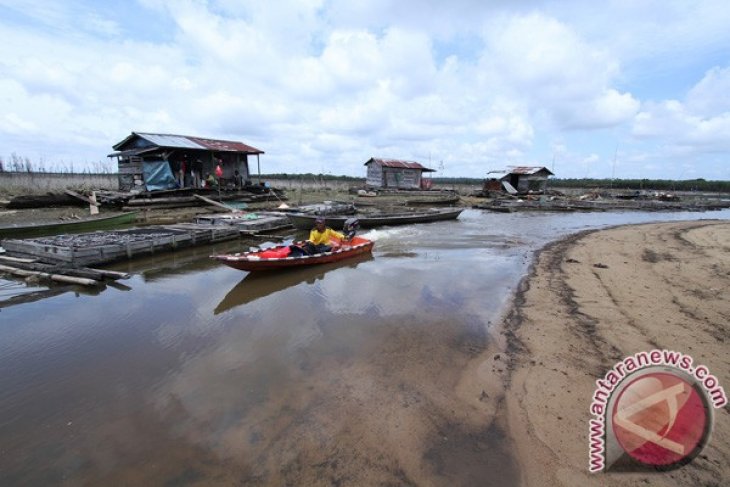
<point x="81" y="197"/>
<point x="110" y="274"/>
<point x="216" y="203"/>
<point x="54" y="277"/>
<point x="83" y="272"/>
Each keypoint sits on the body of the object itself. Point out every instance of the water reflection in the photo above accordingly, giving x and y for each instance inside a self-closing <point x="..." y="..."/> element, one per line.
<point x="195" y="373"/>
<point x="261" y="284"/>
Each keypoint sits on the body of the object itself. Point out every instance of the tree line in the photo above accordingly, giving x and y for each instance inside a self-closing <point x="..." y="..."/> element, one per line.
<point x="607" y="183"/>
<point x="17" y="163"/>
<point x="644" y="184"/>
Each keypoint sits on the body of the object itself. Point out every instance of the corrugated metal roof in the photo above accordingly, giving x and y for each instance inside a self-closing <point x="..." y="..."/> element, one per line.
<point x="226" y="145"/>
<point x="527" y="170"/>
<point x="132" y="152"/>
<point x="497" y="174"/>
<point x="399" y="164"/>
<point x="188" y="142"/>
<point x="165" y="140"/>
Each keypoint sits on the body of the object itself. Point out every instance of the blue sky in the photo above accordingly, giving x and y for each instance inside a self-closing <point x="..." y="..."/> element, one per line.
<point x="626" y="89"/>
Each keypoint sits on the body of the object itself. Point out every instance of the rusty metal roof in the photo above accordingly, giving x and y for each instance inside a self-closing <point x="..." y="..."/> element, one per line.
<point x="528" y="170"/>
<point x="226" y="145"/>
<point x="399" y="164"/>
<point x="188" y="142"/>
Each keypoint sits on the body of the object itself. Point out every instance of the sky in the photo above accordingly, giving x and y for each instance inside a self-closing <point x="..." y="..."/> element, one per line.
<point x="619" y="88"/>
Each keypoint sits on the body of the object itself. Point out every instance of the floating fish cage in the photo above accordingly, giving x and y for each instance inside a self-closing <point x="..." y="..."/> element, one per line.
<point x="108" y="246"/>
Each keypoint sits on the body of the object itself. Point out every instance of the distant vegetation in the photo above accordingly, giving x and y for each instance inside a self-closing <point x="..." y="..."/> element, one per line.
<point x="16" y="163"/>
<point x="646" y="184"/>
<point x="631" y="184"/>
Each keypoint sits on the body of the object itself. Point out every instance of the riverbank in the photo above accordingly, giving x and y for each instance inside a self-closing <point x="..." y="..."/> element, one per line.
<point x="593" y="299"/>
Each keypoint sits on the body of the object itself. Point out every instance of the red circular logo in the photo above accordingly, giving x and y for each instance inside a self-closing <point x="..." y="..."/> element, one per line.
<point x="661" y="419"/>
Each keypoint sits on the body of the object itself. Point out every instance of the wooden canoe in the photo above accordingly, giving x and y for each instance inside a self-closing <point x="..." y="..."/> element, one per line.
<point x="72" y="226"/>
<point x="259" y="260"/>
<point x="306" y="222"/>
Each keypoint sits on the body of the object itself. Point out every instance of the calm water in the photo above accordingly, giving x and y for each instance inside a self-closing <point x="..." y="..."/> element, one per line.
<point x="192" y="373"/>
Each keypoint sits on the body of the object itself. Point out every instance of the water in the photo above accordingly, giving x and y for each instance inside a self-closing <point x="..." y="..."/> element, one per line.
<point x="192" y="373"/>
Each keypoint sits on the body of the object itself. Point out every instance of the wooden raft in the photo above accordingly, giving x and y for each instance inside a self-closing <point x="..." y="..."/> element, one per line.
<point x="108" y="246"/>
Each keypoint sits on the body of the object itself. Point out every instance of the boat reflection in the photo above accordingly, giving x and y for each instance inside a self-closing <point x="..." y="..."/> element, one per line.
<point x="258" y="285"/>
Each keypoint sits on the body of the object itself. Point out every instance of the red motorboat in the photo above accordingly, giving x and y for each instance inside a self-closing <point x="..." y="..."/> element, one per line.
<point x="279" y="258"/>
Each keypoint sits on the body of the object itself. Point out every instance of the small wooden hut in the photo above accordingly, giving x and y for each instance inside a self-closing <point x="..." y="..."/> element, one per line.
<point x="518" y="179"/>
<point x="155" y="161"/>
<point x="396" y="174"/>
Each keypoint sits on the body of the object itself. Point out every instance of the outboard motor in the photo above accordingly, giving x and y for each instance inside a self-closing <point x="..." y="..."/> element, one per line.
<point x="350" y="228"/>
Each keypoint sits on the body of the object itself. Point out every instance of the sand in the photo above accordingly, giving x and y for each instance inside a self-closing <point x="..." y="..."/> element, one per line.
<point x="593" y="299"/>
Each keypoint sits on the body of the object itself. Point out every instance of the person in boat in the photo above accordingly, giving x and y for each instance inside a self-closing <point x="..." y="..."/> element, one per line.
<point x="321" y="239"/>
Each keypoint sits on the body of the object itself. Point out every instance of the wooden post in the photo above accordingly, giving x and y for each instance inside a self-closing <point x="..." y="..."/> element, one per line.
<point x="93" y="205"/>
<point x="258" y="165"/>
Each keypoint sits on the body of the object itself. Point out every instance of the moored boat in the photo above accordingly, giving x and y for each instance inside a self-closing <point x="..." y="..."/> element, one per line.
<point x="73" y="226"/>
<point x="306" y="222"/>
<point x="278" y="258"/>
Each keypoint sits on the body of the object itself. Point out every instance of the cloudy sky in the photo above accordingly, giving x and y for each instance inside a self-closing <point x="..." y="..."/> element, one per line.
<point x="629" y="89"/>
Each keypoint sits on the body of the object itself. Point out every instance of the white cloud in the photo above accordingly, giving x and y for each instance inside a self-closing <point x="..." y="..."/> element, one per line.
<point x="333" y="84"/>
<point x="547" y="63"/>
<point x="711" y="96"/>
<point x="701" y="123"/>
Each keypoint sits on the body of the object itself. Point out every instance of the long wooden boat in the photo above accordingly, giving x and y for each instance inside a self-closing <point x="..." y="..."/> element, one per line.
<point x="72" y="226"/>
<point x="276" y="258"/>
<point x="306" y="222"/>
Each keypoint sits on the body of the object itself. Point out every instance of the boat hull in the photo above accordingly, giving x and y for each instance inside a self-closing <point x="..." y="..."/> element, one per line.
<point x="76" y="226"/>
<point x="251" y="261"/>
<point x="306" y="222"/>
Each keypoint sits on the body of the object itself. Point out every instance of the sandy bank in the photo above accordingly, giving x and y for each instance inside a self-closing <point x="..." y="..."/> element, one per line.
<point x="590" y="301"/>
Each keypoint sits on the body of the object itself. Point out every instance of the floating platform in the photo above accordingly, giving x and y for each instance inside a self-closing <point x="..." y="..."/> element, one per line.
<point x="108" y="246"/>
<point x="248" y="223"/>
